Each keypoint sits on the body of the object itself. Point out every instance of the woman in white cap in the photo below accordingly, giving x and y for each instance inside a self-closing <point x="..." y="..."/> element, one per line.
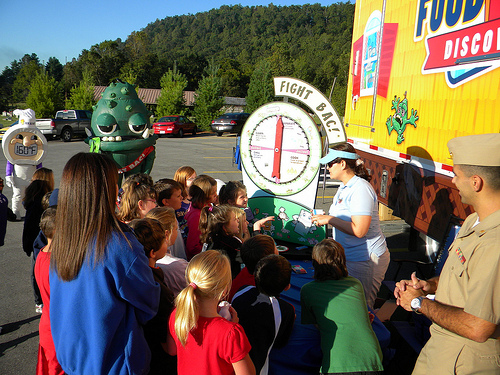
<point x="354" y="218"/>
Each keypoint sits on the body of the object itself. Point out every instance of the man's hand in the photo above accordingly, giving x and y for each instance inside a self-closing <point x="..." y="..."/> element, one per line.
<point x="415" y="284"/>
<point x="452" y="318"/>
<point x="407" y="295"/>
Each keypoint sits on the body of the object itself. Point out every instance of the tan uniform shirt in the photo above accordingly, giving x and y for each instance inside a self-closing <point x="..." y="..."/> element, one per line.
<point x="470" y="280"/>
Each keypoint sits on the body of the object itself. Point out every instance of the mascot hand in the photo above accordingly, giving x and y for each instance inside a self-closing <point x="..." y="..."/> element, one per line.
<point x="8" y="181"/>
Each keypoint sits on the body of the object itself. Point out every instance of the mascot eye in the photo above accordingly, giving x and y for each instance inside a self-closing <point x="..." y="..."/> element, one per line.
<point x="137" y="123"/>
<point x="34" y="137"/>
<point x="137" y="128"/>
<point x="19" y="136"/>
<point x="106" y="129"/>
<point x="106" y="123"/>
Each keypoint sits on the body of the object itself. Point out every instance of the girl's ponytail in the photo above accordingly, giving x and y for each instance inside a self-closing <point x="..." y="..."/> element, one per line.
<point x="187" y="313"/>
<point x="203" y="223"/>
<point x="208" y="276"/>
<point x="212" y="221"/>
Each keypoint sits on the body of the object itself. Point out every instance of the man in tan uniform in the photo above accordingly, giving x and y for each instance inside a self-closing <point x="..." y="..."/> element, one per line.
<point x="465" y="336"/>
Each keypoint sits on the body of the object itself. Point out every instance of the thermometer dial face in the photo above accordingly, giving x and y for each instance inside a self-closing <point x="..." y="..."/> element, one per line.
<point x="280" y="147"/>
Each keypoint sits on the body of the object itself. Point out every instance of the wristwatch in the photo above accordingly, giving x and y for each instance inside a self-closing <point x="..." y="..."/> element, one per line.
<point x="416" y="304"/>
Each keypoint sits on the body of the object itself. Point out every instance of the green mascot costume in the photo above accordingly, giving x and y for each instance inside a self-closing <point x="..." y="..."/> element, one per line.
<point x="121" y="129"/>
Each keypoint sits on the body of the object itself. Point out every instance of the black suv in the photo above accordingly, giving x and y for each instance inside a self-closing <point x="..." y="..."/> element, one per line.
<point x="229" y="122"/>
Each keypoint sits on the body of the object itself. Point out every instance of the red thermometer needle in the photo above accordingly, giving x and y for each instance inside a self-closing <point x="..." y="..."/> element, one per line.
<point x="277" y="149"/>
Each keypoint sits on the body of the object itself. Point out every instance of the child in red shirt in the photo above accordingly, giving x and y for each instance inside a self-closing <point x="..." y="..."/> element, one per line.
<point x="206" y="343"/>
<point x="47" y="363"/>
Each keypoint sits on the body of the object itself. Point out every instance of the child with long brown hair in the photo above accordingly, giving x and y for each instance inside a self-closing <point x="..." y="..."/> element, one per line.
<point x="234" y="193"/>
<point x="41" y="183"/>
<point x="174" y="268"/>
<point x="102" y="290"/>
<point x="203" y="193"/>
<point x="170" y="195"/>
<point x="204" y="342"/>
<point x="136" y="201"/>
<point x="185" y="176"/>
<point x="220" y="230"/>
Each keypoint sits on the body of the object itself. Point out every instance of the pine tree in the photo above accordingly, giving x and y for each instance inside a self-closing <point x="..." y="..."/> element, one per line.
<point x="44" y="96"/>
<point x="261" y="87"/>
<point x="209" y="100"/>
<point x="82" y="95"/>
<point x="171" y="99"/>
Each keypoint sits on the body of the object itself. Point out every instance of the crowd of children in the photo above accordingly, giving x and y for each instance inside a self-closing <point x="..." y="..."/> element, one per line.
<point x="133" y="281"/>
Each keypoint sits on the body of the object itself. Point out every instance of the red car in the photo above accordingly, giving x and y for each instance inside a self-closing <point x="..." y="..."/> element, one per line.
<point x="176" y="125"/>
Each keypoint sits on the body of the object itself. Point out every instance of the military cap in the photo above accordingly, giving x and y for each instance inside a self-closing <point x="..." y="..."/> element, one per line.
<point x="477" y="149"/>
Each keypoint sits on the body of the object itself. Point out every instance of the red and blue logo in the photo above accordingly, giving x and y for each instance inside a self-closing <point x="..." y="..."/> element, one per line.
<point x="462" y="37"/>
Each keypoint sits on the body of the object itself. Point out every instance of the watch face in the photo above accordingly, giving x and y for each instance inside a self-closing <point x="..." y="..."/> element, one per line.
<point x="415" y="303"/>
<point x="281" y="147"/>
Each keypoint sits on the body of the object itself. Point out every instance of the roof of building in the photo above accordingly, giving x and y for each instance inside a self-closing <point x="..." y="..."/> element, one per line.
<point x="150" y="96"/>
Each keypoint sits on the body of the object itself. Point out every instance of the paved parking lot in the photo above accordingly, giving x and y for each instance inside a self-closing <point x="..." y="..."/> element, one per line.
<point x="206" y="153"/>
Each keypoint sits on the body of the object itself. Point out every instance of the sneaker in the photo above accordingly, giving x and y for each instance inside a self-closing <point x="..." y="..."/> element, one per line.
<point x="38" y="308"/>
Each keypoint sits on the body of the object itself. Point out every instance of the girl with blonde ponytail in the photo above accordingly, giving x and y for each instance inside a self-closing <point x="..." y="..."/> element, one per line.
<point x="204" y="342"/>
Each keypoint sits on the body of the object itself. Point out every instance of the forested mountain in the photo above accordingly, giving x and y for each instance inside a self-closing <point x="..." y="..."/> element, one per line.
<point x="309" y="42"/>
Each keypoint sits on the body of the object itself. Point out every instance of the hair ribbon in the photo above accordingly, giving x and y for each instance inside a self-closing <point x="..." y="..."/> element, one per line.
<point x="193" y="285"/>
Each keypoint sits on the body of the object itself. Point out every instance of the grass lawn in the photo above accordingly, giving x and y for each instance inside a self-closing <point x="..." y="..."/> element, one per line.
<point x="4" y="122"/>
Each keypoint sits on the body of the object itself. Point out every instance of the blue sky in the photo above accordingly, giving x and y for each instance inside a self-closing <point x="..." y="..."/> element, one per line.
<point x="63" y="28"/>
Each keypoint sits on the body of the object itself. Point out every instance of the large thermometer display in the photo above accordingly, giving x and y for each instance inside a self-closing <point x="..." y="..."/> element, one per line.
<point x="280" y="148"/>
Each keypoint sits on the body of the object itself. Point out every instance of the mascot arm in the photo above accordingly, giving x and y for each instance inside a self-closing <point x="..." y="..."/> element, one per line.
<point x="148" y="163"/>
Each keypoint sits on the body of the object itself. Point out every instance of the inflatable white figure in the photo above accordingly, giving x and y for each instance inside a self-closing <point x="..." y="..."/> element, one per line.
<point x="24" y="147"/>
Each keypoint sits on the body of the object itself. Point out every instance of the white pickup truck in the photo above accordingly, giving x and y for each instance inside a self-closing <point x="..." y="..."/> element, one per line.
<point x="66" y="124"/>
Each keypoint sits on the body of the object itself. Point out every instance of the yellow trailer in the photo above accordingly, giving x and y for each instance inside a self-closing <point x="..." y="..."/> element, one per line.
<point x="422" y="72"/>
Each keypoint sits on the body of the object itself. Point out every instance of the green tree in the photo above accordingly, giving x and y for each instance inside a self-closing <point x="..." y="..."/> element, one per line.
<point x="104" y="61"/>
<point x="281" y="60"/>
<point x="129" y="76"/>
<point x="171" y="99"/>
<point x="82" y="95"/>
<point x="208" y="98"/>
<point x="54" y="68"/>
<point x="261" y="87"/>
<point x="6" y="81"/>
<point x="193" y="65"/>
<point x="21" y="86"/>
<point x="44" y="97"/>
<point x="137" y="45"/>
<point x="72" y="74"/>
<point x="234" y="81"/>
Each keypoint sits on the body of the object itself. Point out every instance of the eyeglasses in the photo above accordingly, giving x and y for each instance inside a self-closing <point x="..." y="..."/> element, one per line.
<point x="335" y="161"/>
<point x="151" y="200"/>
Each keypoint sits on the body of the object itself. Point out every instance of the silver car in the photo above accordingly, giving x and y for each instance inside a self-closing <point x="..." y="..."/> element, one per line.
<point x="229" y="122"/>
